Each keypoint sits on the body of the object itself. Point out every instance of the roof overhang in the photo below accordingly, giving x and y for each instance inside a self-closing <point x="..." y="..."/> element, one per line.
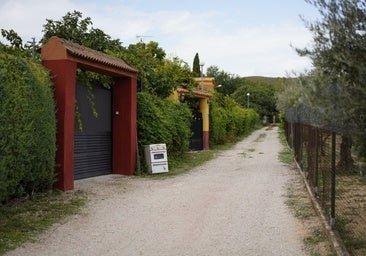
<point x="196" y="93"/>
<point x="61" y="49"/>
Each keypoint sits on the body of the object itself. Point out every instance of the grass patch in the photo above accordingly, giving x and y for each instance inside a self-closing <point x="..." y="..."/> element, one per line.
<point x="313" y="241"/>
<point x="182" y="163"/>
<point x="187" y="161"/>
<point x="22" y="219"/>
<point x="299" y="205"/>
<point x="286" y="155"/>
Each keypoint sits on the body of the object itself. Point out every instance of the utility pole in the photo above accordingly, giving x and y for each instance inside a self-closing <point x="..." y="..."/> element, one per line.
<point x="141" y="37"/>
<point x="33" y="46"/>
<point x="202" y="64"/>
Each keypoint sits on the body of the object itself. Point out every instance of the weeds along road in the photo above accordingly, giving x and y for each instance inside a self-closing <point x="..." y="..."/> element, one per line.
<point x="232" y="205"/>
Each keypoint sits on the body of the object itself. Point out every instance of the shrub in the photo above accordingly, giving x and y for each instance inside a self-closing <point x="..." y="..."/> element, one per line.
<point x="229" y="120"/>
<point x="163" y="121"/>
<point x="27" y="128"/>
<point x="218" y="122"/>
<point x="179" y="119"/>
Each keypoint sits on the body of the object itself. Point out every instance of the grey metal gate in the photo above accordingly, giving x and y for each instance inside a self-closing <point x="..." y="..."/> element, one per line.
<point x="196" y="141"/>
<point x="93" y="144"/>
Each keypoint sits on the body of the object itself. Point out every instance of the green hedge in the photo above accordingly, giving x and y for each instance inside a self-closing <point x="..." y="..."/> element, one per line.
<point x="27" y="128"/>
<point x="163" y="121"/>
<point x="229" y="120"/>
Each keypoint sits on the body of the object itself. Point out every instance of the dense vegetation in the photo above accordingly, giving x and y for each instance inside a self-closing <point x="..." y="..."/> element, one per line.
<point x="335" y="87"/>
<point x="229" y="120"/>
<point x="165" y="121"/>
<point x="27" y="158"/>
<point x="28" y="128"/>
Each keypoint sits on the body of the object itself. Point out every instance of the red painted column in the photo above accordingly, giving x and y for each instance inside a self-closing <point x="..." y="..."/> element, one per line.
<point x="124" y="126"/>
<point x="206" y="140"/>
<point x="63" y="74"/>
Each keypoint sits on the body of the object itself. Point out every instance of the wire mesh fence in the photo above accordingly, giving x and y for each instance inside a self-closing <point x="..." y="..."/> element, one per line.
<point x="337" y="178"/>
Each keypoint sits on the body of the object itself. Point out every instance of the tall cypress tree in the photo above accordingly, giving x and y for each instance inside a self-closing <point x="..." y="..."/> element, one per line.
<point x="196" y="66"/>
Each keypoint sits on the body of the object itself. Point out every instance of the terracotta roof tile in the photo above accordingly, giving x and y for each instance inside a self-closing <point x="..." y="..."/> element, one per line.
<point x="97" y="56"/>
<point x="195" y="92"/>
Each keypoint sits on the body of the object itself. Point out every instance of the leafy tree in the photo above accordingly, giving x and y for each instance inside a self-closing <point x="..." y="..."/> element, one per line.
<point x="158" y="75"/>
<point x="196" y="66"/>
<point x="262" y="97"/>
<point x="13" y="37"/>
<point x="229" y="82"/>
<point x="75" y="28"/>
<point x="338" y="54"/>
<point x="290" y="93"/>
<point x="16" y="46"/>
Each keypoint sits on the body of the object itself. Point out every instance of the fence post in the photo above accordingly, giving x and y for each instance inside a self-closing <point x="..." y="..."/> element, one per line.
<point x="316" y="176"/>
<point x="333" y="181"/>
<point x="300" y="140"/>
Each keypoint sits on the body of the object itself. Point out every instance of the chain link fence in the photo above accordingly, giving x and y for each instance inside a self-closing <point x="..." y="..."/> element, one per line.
<point x="337" y="178"/>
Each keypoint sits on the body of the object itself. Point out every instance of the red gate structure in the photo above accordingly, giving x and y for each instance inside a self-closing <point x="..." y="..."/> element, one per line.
<point x="63" y="58"/>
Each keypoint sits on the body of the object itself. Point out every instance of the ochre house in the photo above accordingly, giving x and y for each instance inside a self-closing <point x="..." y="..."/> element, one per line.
<point x="200" y="122"/>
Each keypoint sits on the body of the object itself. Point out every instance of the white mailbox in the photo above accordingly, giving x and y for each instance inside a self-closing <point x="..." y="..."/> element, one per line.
<point x="156" y="158"/>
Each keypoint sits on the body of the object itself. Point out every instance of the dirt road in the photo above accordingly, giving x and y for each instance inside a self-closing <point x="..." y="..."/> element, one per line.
<point x="232" y="205"/>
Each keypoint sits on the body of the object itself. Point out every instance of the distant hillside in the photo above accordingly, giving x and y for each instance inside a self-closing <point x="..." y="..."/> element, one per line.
<point x="263" y="79"/>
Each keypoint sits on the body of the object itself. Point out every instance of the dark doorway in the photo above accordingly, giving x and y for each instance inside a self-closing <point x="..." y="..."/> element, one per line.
<point x="93" y="144"/>
<point x="196" y="141"/>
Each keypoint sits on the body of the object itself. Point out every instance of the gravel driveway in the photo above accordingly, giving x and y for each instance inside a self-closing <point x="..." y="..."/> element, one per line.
<point x="232" y="205"/>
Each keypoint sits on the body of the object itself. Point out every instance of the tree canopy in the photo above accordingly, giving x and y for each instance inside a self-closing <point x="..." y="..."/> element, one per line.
<point x="336" y="87"/>
<point x="158" y="75"/>
<point x="338" y="54"/>
<point x="75" y="28"/>
<point x="228" y="82"/>
<point x="262" y="97"/>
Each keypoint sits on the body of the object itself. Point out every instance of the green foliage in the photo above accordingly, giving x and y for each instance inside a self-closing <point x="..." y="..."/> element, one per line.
<point x="28" y="128"/>
<point x="158" y="75"/>
<point x="229" y="82"/>
<point x="196" y="66"/>
<point x="163" y="121"/>
<point x="218" y="123"/>
<point x="75" y="28"/>
<point x="22" y="220"/>
<point x="14" y="39"/>
<point x="262" y="97"/>
<point x="229" y="120"/>
<point x="339" y="60"/>
<point x="291" y="93"/>
<point x="16" y="46"/>
<point x="275" y="81"/>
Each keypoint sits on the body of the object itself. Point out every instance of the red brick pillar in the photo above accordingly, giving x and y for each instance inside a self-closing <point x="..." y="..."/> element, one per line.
<point x="63" y="73"/>
<point x="124" y="125"/>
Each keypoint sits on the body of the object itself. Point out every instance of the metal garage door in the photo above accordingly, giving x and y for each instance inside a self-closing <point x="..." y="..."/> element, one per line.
<point x="93" y="145"/>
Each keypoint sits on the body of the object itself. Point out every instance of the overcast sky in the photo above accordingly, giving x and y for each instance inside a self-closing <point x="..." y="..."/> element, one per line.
<point x="243" y="37"/>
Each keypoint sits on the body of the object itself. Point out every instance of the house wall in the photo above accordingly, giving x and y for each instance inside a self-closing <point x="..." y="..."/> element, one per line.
<point x="205" y="110"/>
